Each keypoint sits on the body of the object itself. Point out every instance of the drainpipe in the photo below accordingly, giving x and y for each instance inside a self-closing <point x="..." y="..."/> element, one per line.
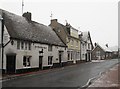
<point x="2" y="49"/>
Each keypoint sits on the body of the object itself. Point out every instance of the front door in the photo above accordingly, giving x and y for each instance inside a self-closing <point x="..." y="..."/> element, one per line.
<point x="89" y="57"/>
<point x="40" y="62"/>
<point x="86" y="57"/>
<point x="10" y="64"/>
<point x="60" y="57"/>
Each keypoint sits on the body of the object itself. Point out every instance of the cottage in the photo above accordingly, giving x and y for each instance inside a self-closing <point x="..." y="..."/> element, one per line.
<point x="69" y="36"/>
<point x="115" y="51"/>
<point x="101" y="52"/>
<point x="29" y="45"/>
<point x="86" y="46"/>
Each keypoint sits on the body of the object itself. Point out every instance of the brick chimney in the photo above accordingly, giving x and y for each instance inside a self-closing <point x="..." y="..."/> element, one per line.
<point x="27" y="15"/>
<point x="53" y="21"/>
<point x="106" y="45"/>
<point x="95" y="44"/>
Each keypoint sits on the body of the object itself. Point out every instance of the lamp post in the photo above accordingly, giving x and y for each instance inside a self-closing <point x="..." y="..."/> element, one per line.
<point x="2" y="46"/>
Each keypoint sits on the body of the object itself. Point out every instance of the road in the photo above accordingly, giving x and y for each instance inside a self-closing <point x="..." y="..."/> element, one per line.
<point x="70" y="76"/>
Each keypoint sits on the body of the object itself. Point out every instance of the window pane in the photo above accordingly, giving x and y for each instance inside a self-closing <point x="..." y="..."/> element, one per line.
<point x="22" y="45"/>
<point x="49" y="60"/>
<point x="29" y="46"/>
<point x="49" y="47"/>
<point x="28" y="61"/>
<point x="24" y="61"/>
<point x="25" y="45"/>
<point x="18" y="44"/>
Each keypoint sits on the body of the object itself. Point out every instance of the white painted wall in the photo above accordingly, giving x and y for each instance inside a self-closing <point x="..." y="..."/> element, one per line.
<point x="34" y="52"/>
<point x="84" y="49"/>
<point x="0" y="40"/>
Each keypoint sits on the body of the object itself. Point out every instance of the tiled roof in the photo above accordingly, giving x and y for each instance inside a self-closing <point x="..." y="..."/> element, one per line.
<point x="85" y="36"/>
<point x="19" y="28"/>
<point x="105" y="48"/>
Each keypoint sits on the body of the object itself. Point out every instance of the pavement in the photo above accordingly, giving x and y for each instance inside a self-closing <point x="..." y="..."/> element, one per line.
<point x="6" y="77"/>
<point x="97" y="60"/>
<point x="109" y="80"/>
<point x="12" y="76"/>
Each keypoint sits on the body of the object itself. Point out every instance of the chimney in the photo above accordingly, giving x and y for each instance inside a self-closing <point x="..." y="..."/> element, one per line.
<point x="95" y="44"/>
<point x="106" y="45"/>
<point x="53" y="21"/>
<point x="27" y="15"/>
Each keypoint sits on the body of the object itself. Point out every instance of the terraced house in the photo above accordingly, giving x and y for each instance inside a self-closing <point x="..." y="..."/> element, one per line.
<point x="86" y="46"/>
<point x="69" y="36"/>
<point x="29" y="45"/>
<point x="101" y="52"/>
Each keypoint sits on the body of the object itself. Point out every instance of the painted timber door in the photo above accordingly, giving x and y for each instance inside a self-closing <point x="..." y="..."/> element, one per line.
<point x="89" y="57"/>
<point x="60" y="57"/>
<point x="10" y="64"/>
<point x="86" y="57"/>
<point x="40" y="62"/>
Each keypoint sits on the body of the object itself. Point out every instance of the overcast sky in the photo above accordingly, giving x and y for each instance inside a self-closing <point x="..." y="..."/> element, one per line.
<point x="100" y="17"/>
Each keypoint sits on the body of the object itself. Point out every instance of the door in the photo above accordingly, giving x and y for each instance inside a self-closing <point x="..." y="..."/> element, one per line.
<point x="60" y="57"/>
<point x="86" y="57"/>
<point x="10" y="64"/>
<point x="89" y="57"/>
<point x="40" y="62"/>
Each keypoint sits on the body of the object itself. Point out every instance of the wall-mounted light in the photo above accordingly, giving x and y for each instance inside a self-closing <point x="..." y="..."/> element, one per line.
<point x="12" y="42"/>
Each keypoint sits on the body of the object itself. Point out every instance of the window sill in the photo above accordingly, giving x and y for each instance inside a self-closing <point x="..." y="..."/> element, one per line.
<point x="27" y="67"/>
<point x="50" y="64"/>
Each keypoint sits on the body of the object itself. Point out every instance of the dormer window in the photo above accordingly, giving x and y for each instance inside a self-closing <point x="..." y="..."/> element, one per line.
<point x="49" y="47"/>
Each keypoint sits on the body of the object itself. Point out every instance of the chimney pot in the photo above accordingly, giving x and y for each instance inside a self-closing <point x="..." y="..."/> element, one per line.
<point x="95" y="44"/>
<point x="27" y="15"/>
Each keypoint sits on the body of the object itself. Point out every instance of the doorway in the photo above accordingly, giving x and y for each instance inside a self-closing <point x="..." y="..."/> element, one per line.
<point x="60" y="57"/>
<point x="86" y="57"/>
<point x="89" y="58"/>
<point x="40" y="62"/>
<point x="10" y="64"/>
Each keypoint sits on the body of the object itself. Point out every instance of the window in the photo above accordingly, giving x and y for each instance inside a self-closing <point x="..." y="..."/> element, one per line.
<point x="68" y="55"/>
<point x="29" y="46"/>
<point x="97" y="53"/>
<point x="25" y="45"/>
<point x="71" y="55"/>
<point x="22" y="45"/>
<point x="50" y="60"/>
<point x="76" y="43"/>
<point x="78" y="55"/>
<point x="83" y="55"/>
<point x="88" y="46"/>
<point x="26" y="61"/>
<point x="18" y="44"/>
<point x="49" y="47"/>
<point x="72" y="42"/>
<point x="83" y="47"/>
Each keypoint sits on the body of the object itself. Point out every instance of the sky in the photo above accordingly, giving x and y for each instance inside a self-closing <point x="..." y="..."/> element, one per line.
<point x="100" y="17"/>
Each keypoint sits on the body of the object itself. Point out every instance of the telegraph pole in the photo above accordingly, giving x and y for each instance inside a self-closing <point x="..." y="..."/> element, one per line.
<point x="22" y="6"/>
<point x="51" y="15"/>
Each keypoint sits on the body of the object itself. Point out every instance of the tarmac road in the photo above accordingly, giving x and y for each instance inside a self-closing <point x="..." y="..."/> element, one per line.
<point x="70" y="76"/>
